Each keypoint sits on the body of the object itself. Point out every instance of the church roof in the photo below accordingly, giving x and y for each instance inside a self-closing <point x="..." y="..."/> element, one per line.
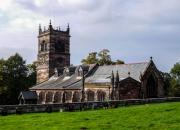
<point x="103" y="73"/>
<point x="28" y="95"/>
<point x="95" y="74"/>
<point x="70" y="81"/>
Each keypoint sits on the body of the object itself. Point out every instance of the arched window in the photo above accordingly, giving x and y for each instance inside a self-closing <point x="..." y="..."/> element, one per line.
<point x="57" y="97"/>
<point x="151" y="87"/>
<point x="42" y="47"/>
<point x="45" y="46"/>
<point x="90" y="95"/>
<point x="66" y="96"/>
<point x="41" y="97"/>
<point x="101" y="95"/>
<point x="76" y="97"/>
<point x="49" y="97"/>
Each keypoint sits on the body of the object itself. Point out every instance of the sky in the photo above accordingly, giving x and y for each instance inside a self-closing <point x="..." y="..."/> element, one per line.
<point x="133" y="30"/>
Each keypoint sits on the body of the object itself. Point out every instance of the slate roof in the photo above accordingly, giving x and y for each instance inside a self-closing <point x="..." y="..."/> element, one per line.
<point x="27" y="95"/>
<point x="64" y="81"/>
<point x="103" y="73"/>
<point x="95" y="74"/>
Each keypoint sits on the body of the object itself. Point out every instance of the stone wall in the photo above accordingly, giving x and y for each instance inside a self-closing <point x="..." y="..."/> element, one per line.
<point x="19" y="109"/>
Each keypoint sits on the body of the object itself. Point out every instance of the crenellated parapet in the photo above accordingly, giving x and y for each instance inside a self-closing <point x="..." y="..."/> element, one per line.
<point x="53" y="51"/>
<point x="51" y="29"/>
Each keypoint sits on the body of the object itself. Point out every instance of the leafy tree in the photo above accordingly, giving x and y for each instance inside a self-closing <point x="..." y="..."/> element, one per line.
<point x="118" y="62"/>
<point x="175" y="87"/>
<point x="103" y="58"/>
<point x="175" y="81"/>
<point x="175" y="71"/>
<point x="31" y="75"/>
<point x="167" y="83"/>
<point x="90" y="59"/>
<point x="3" y="87"/>
<point x="15" y="76"/>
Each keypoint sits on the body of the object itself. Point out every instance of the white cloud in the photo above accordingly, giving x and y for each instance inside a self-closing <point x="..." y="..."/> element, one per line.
<point x="133" y="28"/>
<point x="5" y="4"/>
<point x="72" y="6"/>
<point x="18" y="18"/>
<point x="75" y="3"/>
<point x="40" y="3"/>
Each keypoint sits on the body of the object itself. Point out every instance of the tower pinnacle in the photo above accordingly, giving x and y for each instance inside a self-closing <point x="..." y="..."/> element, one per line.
<point x="50" y="22"/>
<point x="40" y="30"/>
<point x="68" y="29"/>
<point x="50" y="25"/>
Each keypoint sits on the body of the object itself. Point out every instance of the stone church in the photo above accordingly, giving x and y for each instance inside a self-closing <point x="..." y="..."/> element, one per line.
<point x="59" y="82"/>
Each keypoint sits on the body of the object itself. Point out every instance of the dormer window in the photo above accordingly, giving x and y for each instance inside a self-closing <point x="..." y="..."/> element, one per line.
<point x="80" y="72"/>
<point x="67" y="72"/>
<point x="56" y="72"/>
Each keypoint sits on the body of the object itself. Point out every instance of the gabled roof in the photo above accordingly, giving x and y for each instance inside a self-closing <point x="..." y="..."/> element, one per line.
<point x="129" y="79"/>
<point x="65" y="82"/>
<point x="94" y="74"/>
<point x="103" y="73"/>
<point x="27" y="95"/>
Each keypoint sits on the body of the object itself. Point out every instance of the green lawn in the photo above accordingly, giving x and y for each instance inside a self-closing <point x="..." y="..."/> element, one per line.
<point x="164" y="116"/>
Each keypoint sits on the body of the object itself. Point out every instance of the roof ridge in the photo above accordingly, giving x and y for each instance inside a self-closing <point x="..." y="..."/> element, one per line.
<point x="137" y="63"/>
<point x="127" y="64"/>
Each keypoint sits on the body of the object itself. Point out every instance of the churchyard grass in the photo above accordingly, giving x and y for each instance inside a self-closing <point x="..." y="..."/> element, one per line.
<point x="163" y="116"/>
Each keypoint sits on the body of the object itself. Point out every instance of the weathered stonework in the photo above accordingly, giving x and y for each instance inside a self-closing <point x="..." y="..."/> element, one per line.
<point x="87" y="83"/>
<point x="53" y="52"/>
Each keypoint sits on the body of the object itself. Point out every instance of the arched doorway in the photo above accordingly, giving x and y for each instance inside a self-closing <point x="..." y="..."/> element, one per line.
<point x="90" y="95"/>
<point x="49" y="97"/>
<point x="41" y="97"/>
<point x="151" y="87"/>
<point x="76" y="97"/>
<point x="101" y="95"/>
<point x="57" y="97"/>
<point x="66" y="97"/>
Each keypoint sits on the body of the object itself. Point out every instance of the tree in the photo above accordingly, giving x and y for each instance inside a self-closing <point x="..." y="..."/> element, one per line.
<point x="167" y="83"/>
<point x="90" y="59"/>
<point x="3" y="87"/>
<point x="103" y="58"/>
<point x="175" y="87"/>
<point x="118" y="62"/>
<point x="31" y="75"/>
<point x="15" y="76"/>
<point x="175" y="81"/>
<point x="175" y="71"/>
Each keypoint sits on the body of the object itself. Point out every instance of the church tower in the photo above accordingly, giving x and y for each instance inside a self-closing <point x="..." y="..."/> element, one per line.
<point x="53" y="51"/>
